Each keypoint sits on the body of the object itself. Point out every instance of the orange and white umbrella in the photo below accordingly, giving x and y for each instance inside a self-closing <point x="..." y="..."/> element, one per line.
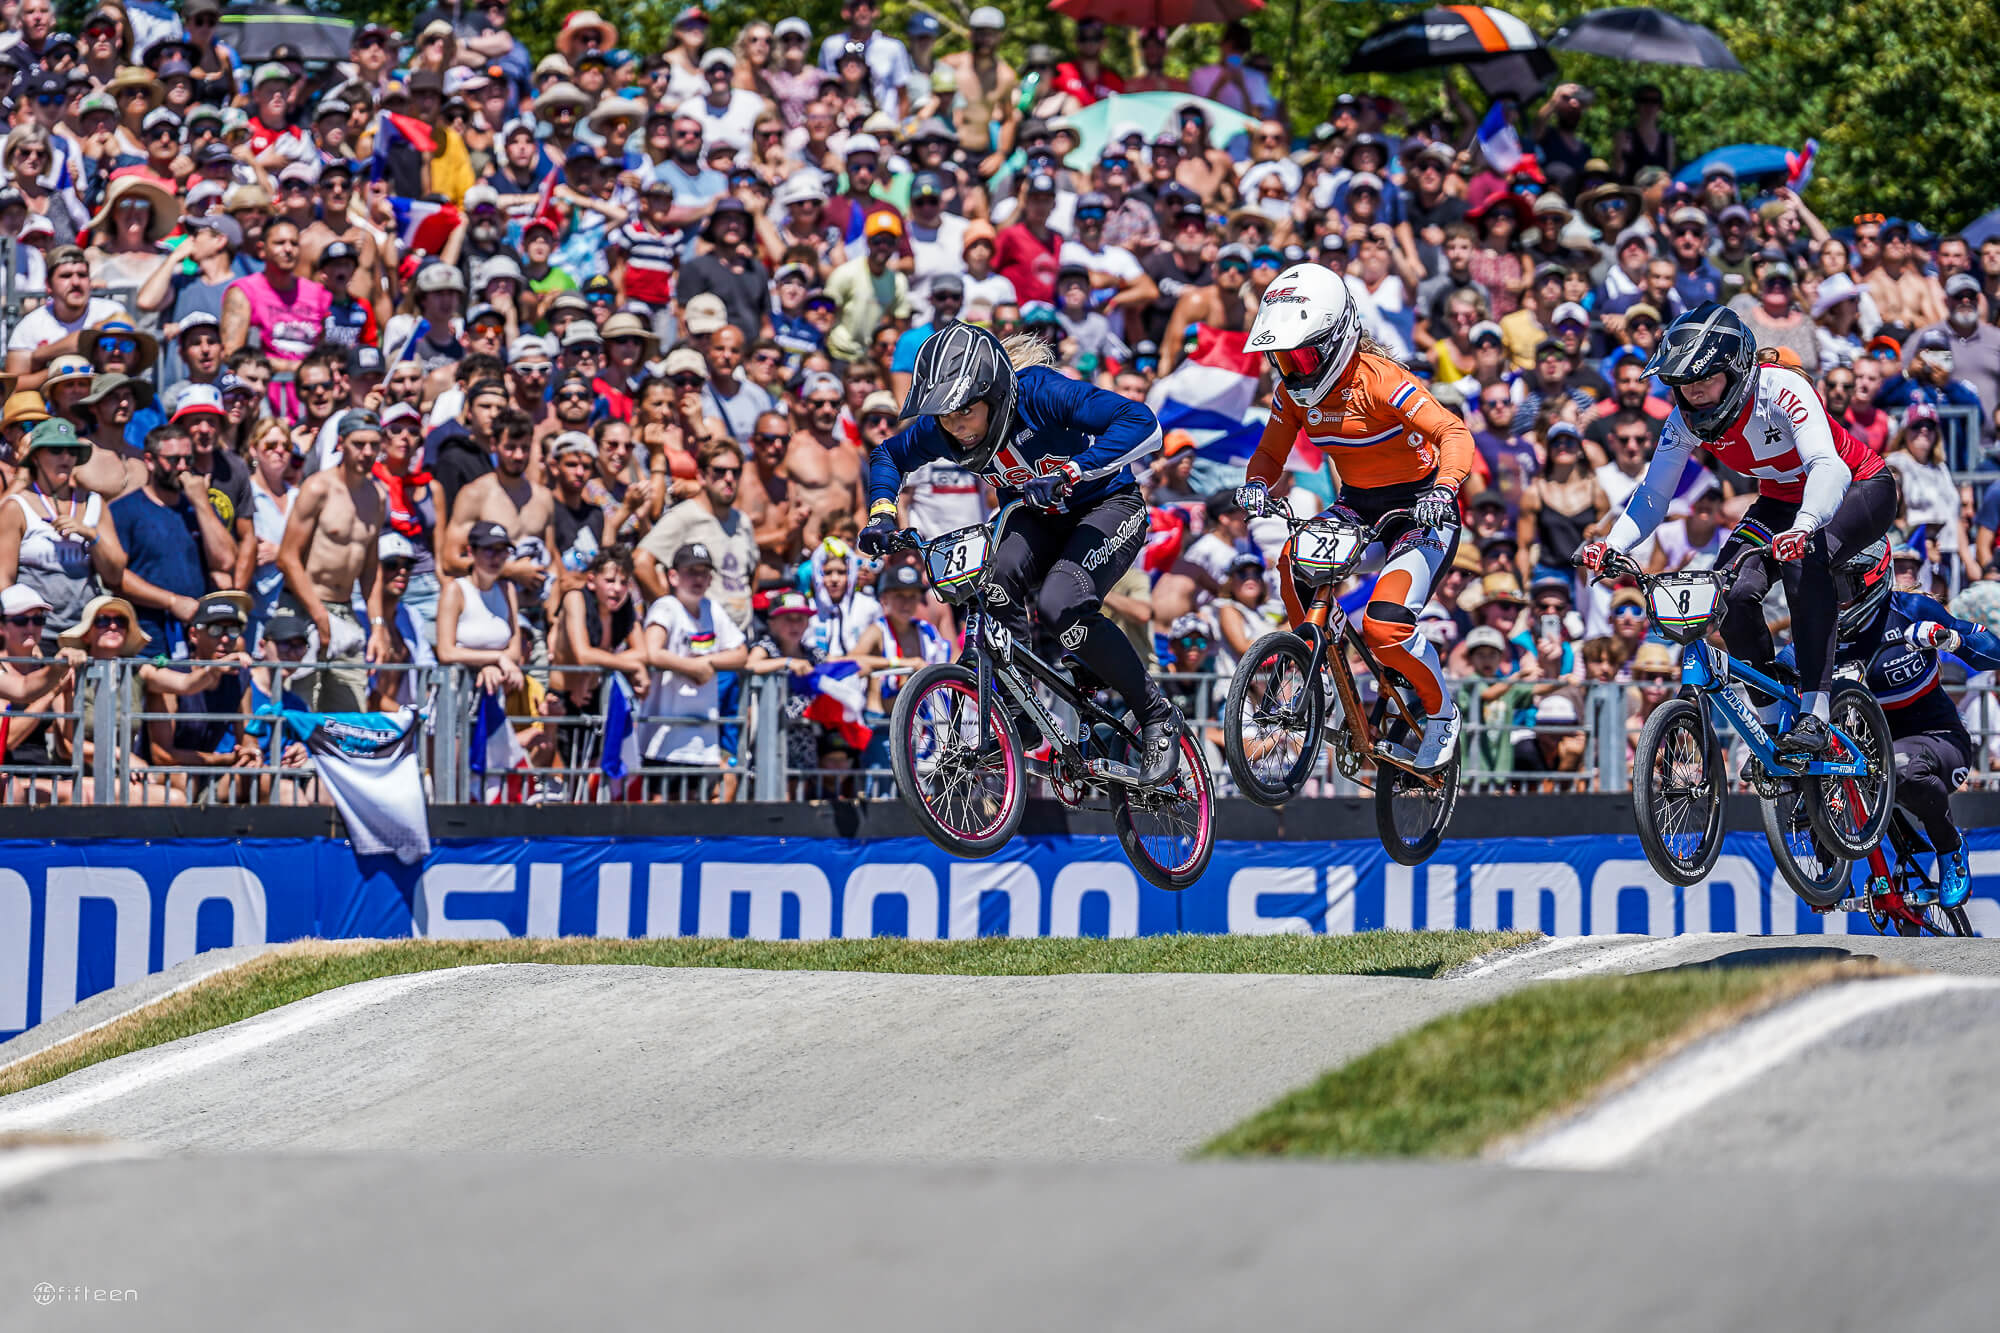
<point x="1445" y="35"/>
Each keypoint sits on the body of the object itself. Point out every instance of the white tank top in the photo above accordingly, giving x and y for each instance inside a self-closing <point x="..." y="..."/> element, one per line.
<point x="45" y="551"/>
<point x="484" y="623"/>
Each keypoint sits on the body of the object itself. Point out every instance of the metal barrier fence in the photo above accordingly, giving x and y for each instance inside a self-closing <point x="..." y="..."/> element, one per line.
<point x="171" y="748"/>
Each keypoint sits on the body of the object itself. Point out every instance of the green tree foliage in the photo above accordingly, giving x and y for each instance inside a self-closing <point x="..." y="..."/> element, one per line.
<point x="1900" y="93"/>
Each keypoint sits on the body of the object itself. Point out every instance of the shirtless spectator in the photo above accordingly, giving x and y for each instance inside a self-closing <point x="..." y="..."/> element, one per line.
<point x="825" y="471"/>
<point x="987" y="86"/>
<point x="1218" y="306"/>
<point x="525" y="508"/>
<point x="1904" y="294"/>
<point x="766" y="499"/>
<point x="329" y="548"/>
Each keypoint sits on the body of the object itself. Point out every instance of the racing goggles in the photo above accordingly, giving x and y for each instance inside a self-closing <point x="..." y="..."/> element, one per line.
<point x="1298" y="365"/>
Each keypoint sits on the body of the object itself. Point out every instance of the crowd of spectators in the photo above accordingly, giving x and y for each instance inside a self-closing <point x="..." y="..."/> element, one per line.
<point x="562" y="365"/>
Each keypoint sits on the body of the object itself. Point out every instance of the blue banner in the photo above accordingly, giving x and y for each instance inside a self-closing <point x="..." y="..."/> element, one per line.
<point x="79" y="917"/>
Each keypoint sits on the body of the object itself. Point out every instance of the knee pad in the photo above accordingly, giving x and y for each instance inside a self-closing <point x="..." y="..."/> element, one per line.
<point x="1385" y="624"/>
<point x="1067" y="596"/>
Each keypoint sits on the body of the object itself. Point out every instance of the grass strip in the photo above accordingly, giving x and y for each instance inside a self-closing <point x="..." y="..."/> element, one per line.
<point x="1463" y="1082"/>
<point x="308" y="967"/>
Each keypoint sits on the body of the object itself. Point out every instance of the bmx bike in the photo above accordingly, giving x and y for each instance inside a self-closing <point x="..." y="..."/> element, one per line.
<point x="1288" y="682"/>
<point x="1818" y="813"/>
<point x="959" y="762"/>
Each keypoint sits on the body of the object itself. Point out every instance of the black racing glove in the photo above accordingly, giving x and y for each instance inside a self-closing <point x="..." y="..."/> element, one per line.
<point x="1047" y="491"/>
<point x="875" y="538"/>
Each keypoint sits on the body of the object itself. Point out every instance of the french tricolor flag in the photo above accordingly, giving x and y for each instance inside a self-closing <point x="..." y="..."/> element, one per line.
<point x="1212" y="396"/>
<point x="424" y="225"/>
<point x="495" y="756"/>
<point x="1498" y="141"/>
<point x="837" y="699"/>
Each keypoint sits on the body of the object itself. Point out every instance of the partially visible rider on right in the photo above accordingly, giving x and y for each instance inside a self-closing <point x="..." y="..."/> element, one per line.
<point x="1900" y="636"/>
<point x="1822" y="495"/>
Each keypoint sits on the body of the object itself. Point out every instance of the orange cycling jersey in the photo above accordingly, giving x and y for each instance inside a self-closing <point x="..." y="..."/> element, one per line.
<point x="1380" y="428"/>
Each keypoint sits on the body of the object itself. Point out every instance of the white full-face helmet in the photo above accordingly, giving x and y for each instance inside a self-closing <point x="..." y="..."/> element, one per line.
<point x="1308" y="328"/>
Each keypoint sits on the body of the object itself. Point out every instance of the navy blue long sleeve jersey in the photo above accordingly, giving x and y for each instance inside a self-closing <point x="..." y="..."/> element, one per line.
<point x="1055" y="419"/>
<point x="1905" y="679"/>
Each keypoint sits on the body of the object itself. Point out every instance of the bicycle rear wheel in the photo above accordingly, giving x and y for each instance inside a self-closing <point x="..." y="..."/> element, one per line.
<point x="1168" y="832"/>
<point x="1272" y="723"/>
<point x="1850" y="814"/>
<point x="1817" y="874"/>
<point x="967" y="800"/>
<point x="1677" y="786"/>
<point x="1410" y="816"/>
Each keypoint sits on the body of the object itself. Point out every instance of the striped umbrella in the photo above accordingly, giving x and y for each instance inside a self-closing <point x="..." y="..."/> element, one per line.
<point x="1445" y="35"/>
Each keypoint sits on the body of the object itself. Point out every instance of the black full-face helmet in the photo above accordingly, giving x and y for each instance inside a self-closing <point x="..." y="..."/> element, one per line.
<point x="964" y="364"/>
<point x="1709" y="339"/>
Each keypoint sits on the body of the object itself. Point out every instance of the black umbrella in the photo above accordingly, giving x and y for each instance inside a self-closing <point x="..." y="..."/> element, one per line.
<point x="1520" y="77"/>
<point x="258" y="30"/>
<point x="1647" y="36"/>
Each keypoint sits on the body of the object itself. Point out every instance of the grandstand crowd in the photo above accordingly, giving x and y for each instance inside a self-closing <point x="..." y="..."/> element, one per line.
<point x="563" y="364"/>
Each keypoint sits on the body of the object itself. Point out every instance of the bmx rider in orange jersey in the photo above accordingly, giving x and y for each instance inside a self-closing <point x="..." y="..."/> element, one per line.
<point x="1393" y="447"/>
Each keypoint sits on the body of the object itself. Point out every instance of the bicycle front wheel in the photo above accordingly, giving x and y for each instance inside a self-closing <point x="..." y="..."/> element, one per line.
<point x="968" y="799"/>
<point x="1272" y="723"/>
<point x="1677" y="787"/>
<point x="1168" y="831"/>
<point x="1850" y="814"/>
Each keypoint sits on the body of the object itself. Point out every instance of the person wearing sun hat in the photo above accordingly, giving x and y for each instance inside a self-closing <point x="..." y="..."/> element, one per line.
<point x="68" y="381"/>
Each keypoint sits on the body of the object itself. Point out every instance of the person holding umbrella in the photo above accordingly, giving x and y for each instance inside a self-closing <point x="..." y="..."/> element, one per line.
<point x="1557" y="141"/>
<point x="1643" y="143"/>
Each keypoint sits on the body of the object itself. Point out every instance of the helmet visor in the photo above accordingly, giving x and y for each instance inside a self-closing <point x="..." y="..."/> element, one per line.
<point x="1298" y="365"/>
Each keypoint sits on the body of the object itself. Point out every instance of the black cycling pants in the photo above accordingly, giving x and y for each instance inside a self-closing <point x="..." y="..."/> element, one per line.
<point x="1063" y="564"/>
<point x="1864" y="516"/>
<point x="1930" y="766"/>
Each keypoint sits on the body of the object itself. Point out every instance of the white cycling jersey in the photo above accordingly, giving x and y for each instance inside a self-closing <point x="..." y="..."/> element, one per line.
<point x="1784" y="438"/>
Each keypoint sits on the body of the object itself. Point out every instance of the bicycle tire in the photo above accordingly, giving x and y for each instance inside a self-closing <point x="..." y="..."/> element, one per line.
<point x="1961" y="924"/>
<point x="1279" y="646"/>
<point x="1821" y="881"/>
<point x="1857" y="713"/>
<point x="1674" y="719"/>
<point x="963" y="683"/>
<point x="1191" y="782"/>
<point x="1392" y="782"/>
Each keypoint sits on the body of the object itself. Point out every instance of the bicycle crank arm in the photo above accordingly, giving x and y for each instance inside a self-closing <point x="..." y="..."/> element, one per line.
<point x="1384" y="753"/>
<point x="1110" y="770"/>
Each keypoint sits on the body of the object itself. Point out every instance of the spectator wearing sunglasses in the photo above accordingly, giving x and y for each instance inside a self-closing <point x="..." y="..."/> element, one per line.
<point x="26" y="690"/>
<point x="56" y="538"/>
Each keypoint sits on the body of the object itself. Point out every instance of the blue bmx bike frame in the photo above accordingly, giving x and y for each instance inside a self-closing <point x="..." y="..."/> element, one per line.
<point x="1710" y="672"/>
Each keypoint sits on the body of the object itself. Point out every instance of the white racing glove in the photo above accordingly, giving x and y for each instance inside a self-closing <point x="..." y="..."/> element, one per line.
<point x="1255" y="498"/>
<point x="1930" y="634"/>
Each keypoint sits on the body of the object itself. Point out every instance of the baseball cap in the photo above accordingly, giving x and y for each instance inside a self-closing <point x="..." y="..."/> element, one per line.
<point x="1485" y="636"/>
<point x="1041" y="182"/>
<point x="1687" y="216"/>
<point x="792" y="602"/>
<point x="922" y="25"/>
<point x="198" y="398"/>
<point x="221" y="608"/>
<point x="692" y="556"/>
<point x="365" y="360"/>
<point x="395" y="546"/>
<point x="792" y="27"/>
<point x="401" y="412"/>
<point x="572" y="442"/>
<point x="685" y="361"/>
<point x="580" y="333"/>
<point x="900" y="578"/>
<point x="986" y="16"/>
<point x="926" y="184"/>
<point x="1735" y="213"/>
<point x="488" y="536"/>
<point x="1569" y="312"/>
<point x="706" y="313"/>
<point x="1486" y="328"/>
<point x="1962" y="284"/>
<point x="17" y="599"/>
<point x="440" y="277"/>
